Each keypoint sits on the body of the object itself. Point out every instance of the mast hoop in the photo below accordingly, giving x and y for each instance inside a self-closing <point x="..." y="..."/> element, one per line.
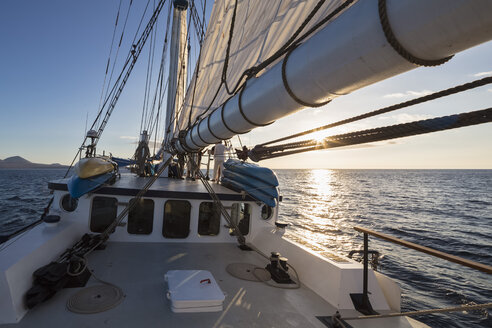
<point x="239" y="104"/>
<point x="397" y="46"/>
<point x="289" y="90"/>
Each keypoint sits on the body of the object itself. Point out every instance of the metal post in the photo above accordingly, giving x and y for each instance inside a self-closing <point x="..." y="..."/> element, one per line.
<point x="361" y="301"/>
<point x="208" y="165"/>
<point x="365" y="297"/>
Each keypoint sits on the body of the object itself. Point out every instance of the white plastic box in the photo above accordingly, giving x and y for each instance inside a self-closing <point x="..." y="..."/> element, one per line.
<point x="193" y="291"/>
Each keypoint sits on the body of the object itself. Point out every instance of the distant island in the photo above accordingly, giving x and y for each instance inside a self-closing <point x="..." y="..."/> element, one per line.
<point x="17" y="162"/>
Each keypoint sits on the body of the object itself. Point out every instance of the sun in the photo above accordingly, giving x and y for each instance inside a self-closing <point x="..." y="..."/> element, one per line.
<point x="319" y="136"/>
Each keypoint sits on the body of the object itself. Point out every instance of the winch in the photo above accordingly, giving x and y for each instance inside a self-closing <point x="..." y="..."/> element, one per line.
<point x="278" y="269"/>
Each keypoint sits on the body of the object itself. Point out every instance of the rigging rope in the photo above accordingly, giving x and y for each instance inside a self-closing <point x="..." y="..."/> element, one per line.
<point x="110" y="52"/>
<point x="240" y="237"/>
<point x="118" y="86"/>
<point x="284" y="49"/>
<point x="397" y="46"/>
<point x="160" y="85"/>
<point x="415" y="101"/>
<point x="378" y="134"/>
<point x="116" y="56"/>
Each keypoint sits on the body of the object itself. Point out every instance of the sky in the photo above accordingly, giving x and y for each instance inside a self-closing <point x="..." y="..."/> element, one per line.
<point x="52" y="69"/>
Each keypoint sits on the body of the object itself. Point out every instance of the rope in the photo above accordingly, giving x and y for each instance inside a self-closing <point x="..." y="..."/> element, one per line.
<point x="96" y="299"/>
<point x="288" y="46"/>
<point x="228" y="50"/>
<point x="393" y="41"/>
<point x="240" y="237"/>
<point x="297" y="279"/>
<point x="289" y="90"/>
<point x="117" y="53"/>
<point x="110" y="52"/>
<point x="415" y="101"/>
<point x="377" y="134"/>
<point x="423" y="312"/>
<point x="118" y="87"/>
<point x="105" y="234"/>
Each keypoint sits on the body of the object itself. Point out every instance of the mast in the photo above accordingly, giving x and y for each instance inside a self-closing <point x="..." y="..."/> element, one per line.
<point x="351" y="52"/>
<point x="177" y="66"/>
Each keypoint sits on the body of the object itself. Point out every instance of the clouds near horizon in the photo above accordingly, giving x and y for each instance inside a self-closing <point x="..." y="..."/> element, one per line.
<point x="409" y="93"/>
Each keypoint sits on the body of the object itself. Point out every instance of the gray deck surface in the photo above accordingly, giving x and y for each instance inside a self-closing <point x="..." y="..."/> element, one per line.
<point x="139" y="268"/>
<point x="130" y="180"/>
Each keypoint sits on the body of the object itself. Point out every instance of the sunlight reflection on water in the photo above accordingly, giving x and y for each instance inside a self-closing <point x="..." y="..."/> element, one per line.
<point x="446" y="210"/>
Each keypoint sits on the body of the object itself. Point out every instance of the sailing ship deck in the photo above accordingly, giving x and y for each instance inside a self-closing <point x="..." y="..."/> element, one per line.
<point x="130" y="184"/>
<point x="139" y="268"/>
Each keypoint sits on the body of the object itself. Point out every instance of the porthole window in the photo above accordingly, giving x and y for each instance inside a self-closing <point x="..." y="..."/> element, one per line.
<point x="176" y="219"/>
<point x="103" y="213"/>
<point x="208" y="219"/>
<point x="141" y="217"/>
<point x="241" y="215"/>
<point x="68" y="203"/>
<point x="266" y="212"/>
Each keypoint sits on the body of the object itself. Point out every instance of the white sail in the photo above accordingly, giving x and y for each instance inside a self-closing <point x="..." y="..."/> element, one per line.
<point x="261" y="28"/>
<point x="348" y="53"/>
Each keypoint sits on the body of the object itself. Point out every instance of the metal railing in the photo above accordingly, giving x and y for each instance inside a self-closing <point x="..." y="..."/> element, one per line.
<point x="361" y="301"/>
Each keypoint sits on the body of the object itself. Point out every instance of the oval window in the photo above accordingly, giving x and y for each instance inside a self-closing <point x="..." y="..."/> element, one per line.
<point x="68" y="203"/>
<point x="266" y="212"/>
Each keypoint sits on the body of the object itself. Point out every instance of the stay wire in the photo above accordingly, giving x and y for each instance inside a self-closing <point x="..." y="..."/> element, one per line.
<point x="117" y="52"/>
<point x="412" y="102"/>
<point x="131" y="61"/>
<point x="141" y="20"/>
<point x="114" y="94"/>
<point x="376" y="134"/>
<point x="110" y="53"/>
<point x="148" y="80"/>
<point x="159" y="93"/>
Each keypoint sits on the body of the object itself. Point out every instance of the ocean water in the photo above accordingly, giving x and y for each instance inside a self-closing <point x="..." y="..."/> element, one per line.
<point x="448" y="210"/>
<point x="24" y="194"/>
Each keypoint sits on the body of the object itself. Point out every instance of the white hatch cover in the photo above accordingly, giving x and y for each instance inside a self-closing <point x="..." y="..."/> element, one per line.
<point x="193" y="291"/>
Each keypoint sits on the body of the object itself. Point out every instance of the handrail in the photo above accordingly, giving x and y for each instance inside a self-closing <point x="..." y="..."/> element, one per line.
<point x="452" y="258"/>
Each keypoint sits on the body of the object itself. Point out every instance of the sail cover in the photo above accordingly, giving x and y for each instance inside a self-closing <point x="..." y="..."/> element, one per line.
<point x="260" y="29"/>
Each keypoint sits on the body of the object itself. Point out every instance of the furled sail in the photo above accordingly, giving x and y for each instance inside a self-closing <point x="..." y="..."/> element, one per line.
<point x="260" y="29"/>
<point x="353" y="50"/>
